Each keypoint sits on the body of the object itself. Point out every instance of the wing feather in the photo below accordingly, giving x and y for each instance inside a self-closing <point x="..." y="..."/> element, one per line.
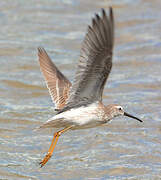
<point x="95" y="62"/>
<point x="56" y="82"/>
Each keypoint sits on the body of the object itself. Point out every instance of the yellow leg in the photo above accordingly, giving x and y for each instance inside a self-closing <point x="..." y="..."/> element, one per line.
<point x="53" y="144"/>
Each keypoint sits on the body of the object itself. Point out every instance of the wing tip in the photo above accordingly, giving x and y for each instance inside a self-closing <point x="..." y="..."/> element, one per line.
<point x="42" y="53"/>
<point x="110" y="11"/>
<point x="103" y="11"/>
<point x="41" y="49"/>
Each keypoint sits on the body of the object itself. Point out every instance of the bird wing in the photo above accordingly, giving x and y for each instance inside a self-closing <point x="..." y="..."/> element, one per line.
<point x="56" y="82"/>
<point x="95" y="61"/>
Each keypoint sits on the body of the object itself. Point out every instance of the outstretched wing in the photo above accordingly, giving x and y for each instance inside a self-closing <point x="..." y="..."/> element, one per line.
<point x="95" y="62"/>
<point x="57" y="83"/>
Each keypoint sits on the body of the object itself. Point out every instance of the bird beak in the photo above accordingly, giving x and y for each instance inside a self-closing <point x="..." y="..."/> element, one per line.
<point x="126" y="114"/>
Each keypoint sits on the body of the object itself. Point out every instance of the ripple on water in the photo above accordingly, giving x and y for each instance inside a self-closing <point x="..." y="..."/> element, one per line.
<point x="124" y="148"/>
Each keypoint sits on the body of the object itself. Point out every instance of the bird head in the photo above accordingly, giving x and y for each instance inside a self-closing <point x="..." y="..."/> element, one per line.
<point x="117" y="110"/>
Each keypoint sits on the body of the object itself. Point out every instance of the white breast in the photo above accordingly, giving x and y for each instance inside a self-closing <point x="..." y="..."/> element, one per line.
<point x="82" y="116"/>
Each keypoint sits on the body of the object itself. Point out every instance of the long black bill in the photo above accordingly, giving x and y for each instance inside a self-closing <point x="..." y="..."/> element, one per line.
<point x="129" y="115"/>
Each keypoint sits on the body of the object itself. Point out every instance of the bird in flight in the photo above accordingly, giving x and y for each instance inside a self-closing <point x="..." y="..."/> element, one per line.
<point x="79" y="105"/>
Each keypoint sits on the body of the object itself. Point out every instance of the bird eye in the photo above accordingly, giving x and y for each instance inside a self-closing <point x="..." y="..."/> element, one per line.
<point x="120" y="108"/>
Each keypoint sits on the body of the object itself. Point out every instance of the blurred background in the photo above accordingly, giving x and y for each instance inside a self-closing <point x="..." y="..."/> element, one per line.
<point x="124" y="148"/>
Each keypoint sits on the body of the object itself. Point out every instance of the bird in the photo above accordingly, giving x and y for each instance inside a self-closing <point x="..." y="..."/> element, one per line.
<point x="79" y="105"/>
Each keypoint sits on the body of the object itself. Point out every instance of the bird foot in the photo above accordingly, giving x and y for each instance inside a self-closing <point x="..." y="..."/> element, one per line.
<point x="45" y="160"/>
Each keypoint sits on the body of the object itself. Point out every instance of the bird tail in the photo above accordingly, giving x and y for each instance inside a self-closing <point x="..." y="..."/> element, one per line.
<point x="56" y="123"/>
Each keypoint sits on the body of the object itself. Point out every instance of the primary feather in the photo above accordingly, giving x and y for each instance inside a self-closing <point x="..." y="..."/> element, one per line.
<point x="95" y="62"/>
<point x="57" y="83"/>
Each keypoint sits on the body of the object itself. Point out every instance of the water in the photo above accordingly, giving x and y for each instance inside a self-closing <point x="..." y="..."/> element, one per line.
<point x="124" y="148"/>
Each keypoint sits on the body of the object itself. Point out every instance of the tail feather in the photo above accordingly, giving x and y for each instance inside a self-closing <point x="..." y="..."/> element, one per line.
<point x="56" y="123"/>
